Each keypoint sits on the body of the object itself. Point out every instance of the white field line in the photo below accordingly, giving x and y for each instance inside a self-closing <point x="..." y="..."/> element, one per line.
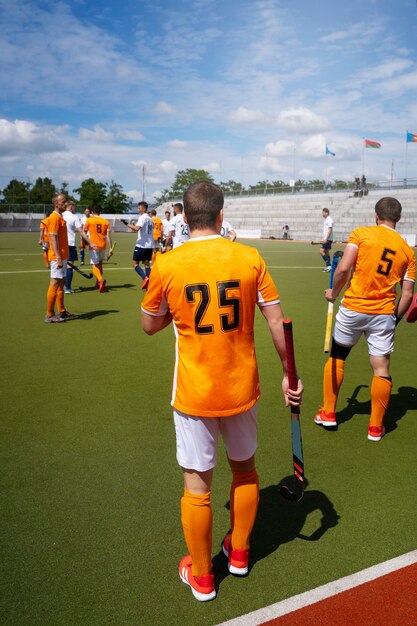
<point x="321" y="593"/>
<point x="117" y="269"/>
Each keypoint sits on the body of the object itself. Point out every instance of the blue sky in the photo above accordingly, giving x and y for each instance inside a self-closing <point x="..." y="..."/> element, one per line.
<point x="248" y="90"/>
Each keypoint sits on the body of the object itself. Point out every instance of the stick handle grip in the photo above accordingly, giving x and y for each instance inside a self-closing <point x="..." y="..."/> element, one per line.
<point x="291" y="368"/>
<point x="289" y="347"/>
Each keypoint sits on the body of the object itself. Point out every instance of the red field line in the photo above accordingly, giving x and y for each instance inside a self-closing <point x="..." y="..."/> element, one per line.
<point x="387" y="601"/>
<point x="382" y="595"/>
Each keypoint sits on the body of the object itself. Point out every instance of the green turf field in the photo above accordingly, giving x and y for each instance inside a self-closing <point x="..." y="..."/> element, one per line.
<point x="90" y="524"/>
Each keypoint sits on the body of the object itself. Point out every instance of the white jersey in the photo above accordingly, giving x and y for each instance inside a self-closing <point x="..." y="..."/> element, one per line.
<point x="181" y="232"/>
<point x="328" y="223"/>
<point x="145" y="234"/>
<point x="166" y="227"/>
<point x="225" y="229"/>
<point x="73" y="223"/>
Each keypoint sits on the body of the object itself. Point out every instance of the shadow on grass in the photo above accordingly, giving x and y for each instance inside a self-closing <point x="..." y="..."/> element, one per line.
<point x="108" y="287"/>
<point x="92" y="314"/>
<point x="280" y="521"/>
<point x="402" y="401"/>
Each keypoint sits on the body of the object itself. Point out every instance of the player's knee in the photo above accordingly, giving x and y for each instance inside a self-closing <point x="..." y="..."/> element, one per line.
<point x="339" y="352"/>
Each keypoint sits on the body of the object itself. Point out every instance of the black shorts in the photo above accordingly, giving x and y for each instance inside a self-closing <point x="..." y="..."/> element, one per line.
<point x="72" y="253"/>
<point x="142" y="254"/>
<point x="327" y="245"/>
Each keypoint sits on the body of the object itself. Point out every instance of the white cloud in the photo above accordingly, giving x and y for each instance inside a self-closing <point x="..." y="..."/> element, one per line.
<point x="242" y="115"/>
<point x="301" y="120"/>
<point x="281" y="147"/>
<point x="98" y="134"/>
<point x="23" y="137"/>
<point x="177" y="143"/>
<point x="130" y="135"/>
<point x="163" y="108"/>
<point x="213" y="167"/>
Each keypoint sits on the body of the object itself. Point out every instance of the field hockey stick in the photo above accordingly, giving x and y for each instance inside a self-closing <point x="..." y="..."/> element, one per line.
<point x="74" y="267"/>
<point x="125" y="222"/>
<point x="316" y="243"/>
<point x="327" y="335"/>
<point x="111" y="251"/>
<point x="297" y="444"/>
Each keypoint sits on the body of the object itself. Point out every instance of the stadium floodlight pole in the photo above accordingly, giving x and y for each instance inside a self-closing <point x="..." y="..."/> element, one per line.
<point x="327" y="335"/>
<point x="77" y="269"/>
<point x="296" y="441"/>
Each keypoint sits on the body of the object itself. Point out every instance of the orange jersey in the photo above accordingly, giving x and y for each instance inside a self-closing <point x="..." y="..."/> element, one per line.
<point x="213" y="307"/>
<point x="56" y="225"/>
<point x="157" y="228"/>
<point x="43" y="226"/>
<point x="97" y="227"/>
<point x="384" y="260"/>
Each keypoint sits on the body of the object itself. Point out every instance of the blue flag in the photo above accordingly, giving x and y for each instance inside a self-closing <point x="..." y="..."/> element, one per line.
<point x="329" y="151"/>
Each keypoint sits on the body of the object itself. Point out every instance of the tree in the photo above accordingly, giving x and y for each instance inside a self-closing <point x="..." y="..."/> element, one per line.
<point x="185" y="178"/>
<point x="116" y="201"/>
<point x="42" y="191"/>
<point x="261" y="185"/>
<point x="16" y="192"/>
<point x="232" y="187"/>
<point x="91" y="193"/>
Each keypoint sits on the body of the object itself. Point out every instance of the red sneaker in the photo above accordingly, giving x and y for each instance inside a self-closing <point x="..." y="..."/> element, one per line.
<point x="102" y="286"/>
<point x="145" y="282"/>
<point x="328" y="420"/>
<point x="238" y="559"/>
<point x="375" y="433"/>
<point x="201" y="586"/>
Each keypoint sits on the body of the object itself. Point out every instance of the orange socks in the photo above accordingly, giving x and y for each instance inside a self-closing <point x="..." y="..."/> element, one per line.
<point x="51" y="299"/>
<point x="197" y="523"/>
<point x="97" y="272"/>
<point x="334" y="371"/>
<point x="380" y="395"/>
<point x="60" y="298"/>
<point x="244" y="498"/>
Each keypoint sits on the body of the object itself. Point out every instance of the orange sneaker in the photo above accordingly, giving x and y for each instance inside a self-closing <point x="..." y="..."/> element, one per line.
<point x="145" y="282"/>
<point x="238" y="559"/>
<point x="375" y="433"/>
<point x="201" y="586"/>
<point x="102" y="286"/>
<point x="328" y="420"/>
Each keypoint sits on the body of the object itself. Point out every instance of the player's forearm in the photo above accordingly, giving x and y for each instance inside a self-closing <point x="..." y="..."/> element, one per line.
<point x="339" y="281"/>
<point x="274" y="317"/>
<point x="153" y="324"/>
<point x="405" y="299"/>
<point x="53" y="239"/>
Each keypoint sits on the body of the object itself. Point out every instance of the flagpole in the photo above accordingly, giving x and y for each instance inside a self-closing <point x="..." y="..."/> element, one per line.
<point x="363" y="156"/>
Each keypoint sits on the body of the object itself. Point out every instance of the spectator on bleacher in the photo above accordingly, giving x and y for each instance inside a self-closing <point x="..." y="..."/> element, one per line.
<point x="326" y="244"/>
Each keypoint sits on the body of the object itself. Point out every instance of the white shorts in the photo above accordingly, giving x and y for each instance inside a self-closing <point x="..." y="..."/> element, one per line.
<point x="197" y="438"/>
<point x="379" y="330"/>
<point x="96" y="256"/>
<point x="58" y="272"/>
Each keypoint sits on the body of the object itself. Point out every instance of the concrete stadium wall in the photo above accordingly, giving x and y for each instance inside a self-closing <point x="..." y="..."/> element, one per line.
<point x="302" y="212"/>
<point x="264" y="216"/>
